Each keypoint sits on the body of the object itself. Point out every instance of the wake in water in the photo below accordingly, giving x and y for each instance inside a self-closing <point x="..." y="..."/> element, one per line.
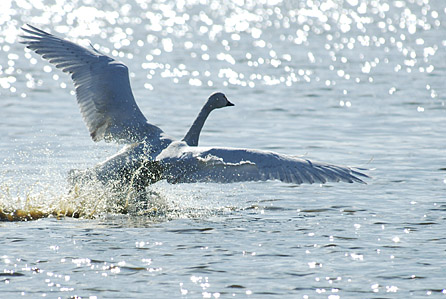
<point x="87" y="201"/>
<point x="93" y="199"/>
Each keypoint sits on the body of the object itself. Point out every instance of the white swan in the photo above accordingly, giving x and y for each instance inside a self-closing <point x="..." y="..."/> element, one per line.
<point x="110" y="112"/>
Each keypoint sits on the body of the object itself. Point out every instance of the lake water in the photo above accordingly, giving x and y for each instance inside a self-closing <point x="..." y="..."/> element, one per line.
<point x="356" y="82"/>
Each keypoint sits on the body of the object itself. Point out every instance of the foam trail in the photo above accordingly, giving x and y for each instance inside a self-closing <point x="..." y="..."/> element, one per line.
<point x="159" y="202"/>
<point x="30" y="202"/>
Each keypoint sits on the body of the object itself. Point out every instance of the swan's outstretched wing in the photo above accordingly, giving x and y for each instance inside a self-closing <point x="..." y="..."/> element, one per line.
<point x="225" y="165"/>
<point x="102" y="85"/>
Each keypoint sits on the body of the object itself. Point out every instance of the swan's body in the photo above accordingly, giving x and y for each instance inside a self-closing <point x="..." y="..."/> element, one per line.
<point x="110" y="112"/>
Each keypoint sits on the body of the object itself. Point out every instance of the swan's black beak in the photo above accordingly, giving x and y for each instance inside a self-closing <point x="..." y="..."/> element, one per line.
<point x="229" y="104"/>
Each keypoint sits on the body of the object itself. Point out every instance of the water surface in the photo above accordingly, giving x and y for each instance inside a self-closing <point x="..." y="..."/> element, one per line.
<point x="357" y="83"/>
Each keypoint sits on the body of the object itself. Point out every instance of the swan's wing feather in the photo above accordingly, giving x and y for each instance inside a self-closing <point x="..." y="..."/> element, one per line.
<point x="102" y="86"/>
<point x="225" y="165"/>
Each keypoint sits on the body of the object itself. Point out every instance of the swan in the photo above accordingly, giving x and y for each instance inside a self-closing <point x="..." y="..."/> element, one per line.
<point x="111" y="114"/>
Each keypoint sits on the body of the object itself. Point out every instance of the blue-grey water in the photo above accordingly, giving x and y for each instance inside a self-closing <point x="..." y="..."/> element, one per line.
<point x="355" y="82"/>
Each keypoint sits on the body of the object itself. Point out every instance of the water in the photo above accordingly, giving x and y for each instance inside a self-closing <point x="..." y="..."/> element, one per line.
<point x="355" y="82"/>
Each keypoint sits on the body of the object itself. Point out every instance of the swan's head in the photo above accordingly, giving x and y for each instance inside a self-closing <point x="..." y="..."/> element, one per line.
<point x="218" y="100"/>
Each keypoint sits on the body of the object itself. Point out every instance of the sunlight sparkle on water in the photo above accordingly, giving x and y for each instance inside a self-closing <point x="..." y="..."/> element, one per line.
<point x="240" y="24"/>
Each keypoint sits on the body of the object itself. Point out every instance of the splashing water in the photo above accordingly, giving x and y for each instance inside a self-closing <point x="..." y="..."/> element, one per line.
<point x="92" y="199"/>
<point x="38" y="200"/>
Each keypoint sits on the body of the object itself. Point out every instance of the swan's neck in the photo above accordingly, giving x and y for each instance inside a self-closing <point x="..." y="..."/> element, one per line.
<point x="192" y="136"/>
